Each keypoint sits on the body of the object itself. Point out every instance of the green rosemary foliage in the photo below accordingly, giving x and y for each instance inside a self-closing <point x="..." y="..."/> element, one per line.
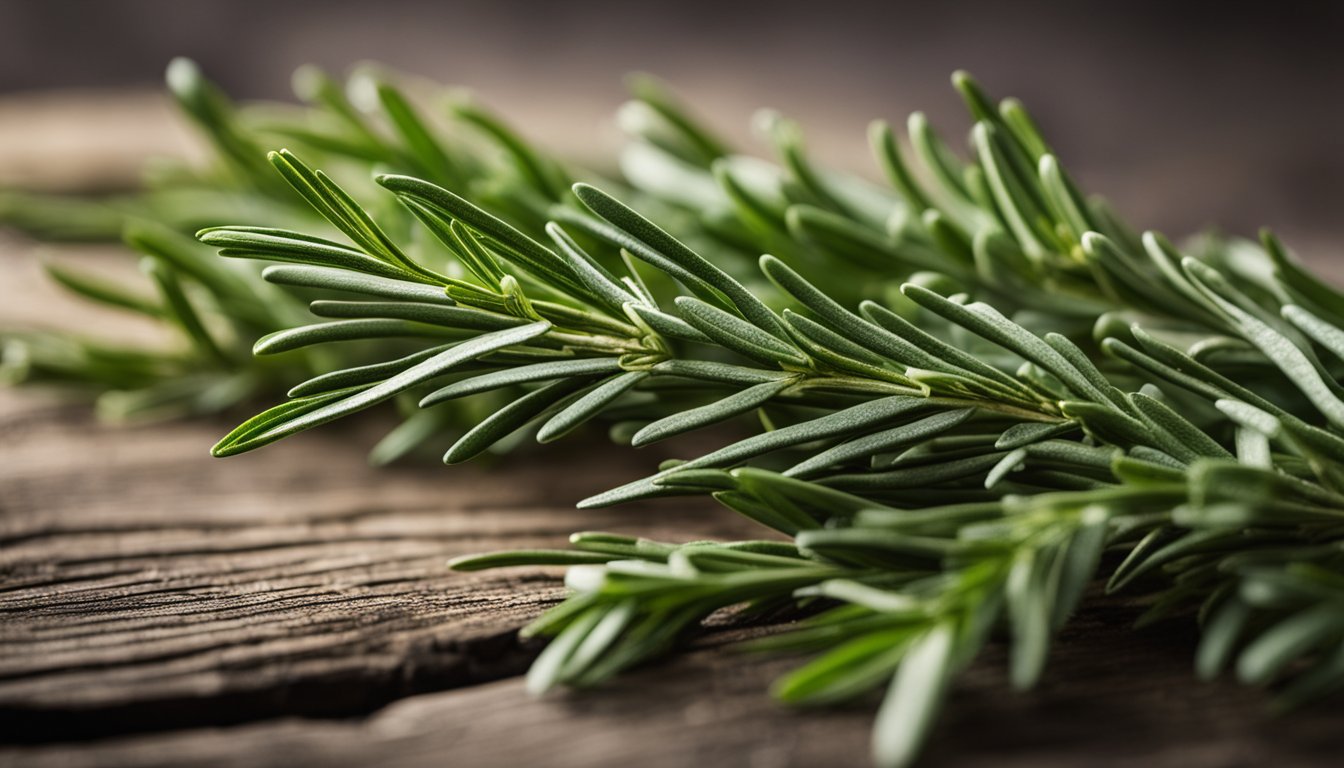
<point x="967" y="387"/>
<point x="216" y="309"/>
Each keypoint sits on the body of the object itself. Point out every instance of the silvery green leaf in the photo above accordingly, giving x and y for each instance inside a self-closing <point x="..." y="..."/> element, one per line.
<point x="557" y="369"/>
<point x="588" y="405"/>
<point x="913" y="699"/>
<point x="254" y="434"/>
<point x="712" y="413"/>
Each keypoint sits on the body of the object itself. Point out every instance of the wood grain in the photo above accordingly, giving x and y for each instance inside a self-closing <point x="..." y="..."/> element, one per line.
<point x="1112" y="698"/>
<point x="148" y="586"/>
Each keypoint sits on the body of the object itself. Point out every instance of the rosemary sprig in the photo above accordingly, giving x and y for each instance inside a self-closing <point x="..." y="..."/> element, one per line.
<point x="213" y="307"/>
<point x="969" y="387"/>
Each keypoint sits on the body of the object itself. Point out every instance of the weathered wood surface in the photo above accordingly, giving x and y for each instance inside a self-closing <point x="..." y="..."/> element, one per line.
<point x="146" y="585"/>
<point x="292" y="607"/>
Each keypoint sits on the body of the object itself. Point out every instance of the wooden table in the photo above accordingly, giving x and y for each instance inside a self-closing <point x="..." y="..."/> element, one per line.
<point x="292" y="607"/>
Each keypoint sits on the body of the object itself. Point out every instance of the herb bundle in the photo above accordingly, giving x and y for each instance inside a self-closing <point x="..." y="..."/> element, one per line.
<point x="964" y="388"/>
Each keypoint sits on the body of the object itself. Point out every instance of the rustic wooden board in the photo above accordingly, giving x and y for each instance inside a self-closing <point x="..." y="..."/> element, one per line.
<point x="159" y="607"/>
<point x="146" y="585"/>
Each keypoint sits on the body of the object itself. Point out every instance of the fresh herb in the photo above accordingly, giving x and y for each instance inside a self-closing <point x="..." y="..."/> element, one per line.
<point x="968" y="388"/>
<point x="216" y="308"/>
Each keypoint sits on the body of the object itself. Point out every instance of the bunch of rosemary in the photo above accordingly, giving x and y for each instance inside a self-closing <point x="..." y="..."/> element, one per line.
<point x="216" y="309"/>
<point x="965" y="388"/>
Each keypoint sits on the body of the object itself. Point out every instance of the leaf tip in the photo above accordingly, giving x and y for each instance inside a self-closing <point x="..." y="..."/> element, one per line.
<point x="182" y="76"/>
<point x="224" y="449"/>
<point x="585" y="191"/>
<point x="464" y="563"/>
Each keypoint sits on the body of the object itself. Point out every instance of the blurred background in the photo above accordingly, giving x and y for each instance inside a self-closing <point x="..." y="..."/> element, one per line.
<point x="1185" y="114"/>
